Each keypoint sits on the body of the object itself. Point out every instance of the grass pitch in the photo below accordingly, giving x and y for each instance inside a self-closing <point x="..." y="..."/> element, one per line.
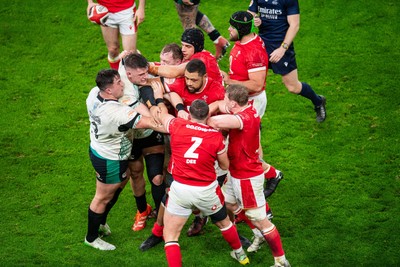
<point x="338" y="204"/>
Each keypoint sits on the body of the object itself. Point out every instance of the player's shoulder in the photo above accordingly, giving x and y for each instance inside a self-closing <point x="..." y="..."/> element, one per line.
<point x="248" y="113"/>
<point x="93" y="93"/>
<point x="176" y="122"/>
<point x="204" y="56"/>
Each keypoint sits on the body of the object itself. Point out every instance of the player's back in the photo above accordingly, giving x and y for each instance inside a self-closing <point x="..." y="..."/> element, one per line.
<point x="194" y="149"/>
<point x="244" y="144"/>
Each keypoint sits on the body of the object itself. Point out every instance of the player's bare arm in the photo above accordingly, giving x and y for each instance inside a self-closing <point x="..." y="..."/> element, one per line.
<point x="150" y="123"/>
<point x="217" y="106"/>
<point x="225" y="121"/>
<point x="223" y="161"/>
<point x="167" y="71"/>
<point x="177" y="102"/>
<point x="294" y="26"/>
<point x="140" y="14"/>
<point x="255" y="84"/>
<point x="165" y="119"/>
<point x="143" y="110"/>
<point x="159" y="108"/>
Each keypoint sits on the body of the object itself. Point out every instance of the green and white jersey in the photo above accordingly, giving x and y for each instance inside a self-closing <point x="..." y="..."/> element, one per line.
<point x="109" y="122"/>
<point x="132" y="98"/>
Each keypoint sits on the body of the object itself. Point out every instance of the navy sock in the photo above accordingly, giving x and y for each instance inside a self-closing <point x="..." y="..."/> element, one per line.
<point x="158" y="192"/>
<point x="309" y="93"/>
<point x="94" y="220"/>
<point x="141" y="203"/>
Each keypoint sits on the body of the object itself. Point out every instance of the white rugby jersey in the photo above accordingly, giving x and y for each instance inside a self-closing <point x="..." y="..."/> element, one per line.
<point x="132" y="98"/>
<point x="106" y="117"/>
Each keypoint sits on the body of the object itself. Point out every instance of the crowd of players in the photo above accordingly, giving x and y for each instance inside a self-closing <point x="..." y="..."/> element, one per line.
<point x="196" y="127"/>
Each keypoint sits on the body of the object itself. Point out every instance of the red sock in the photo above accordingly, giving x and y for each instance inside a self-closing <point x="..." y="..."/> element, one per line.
<point x="231" y="236"/>
<point x="271" y="173"/>
<point x="173" y="254"/>
<point x="274" y="241"/>
<point x="157" y="230"/>
<point x="244" y="218"/>
<point x="114" y="65"/>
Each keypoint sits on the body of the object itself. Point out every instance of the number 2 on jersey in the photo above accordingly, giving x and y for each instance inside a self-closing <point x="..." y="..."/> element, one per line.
<point x="190" y="154"/>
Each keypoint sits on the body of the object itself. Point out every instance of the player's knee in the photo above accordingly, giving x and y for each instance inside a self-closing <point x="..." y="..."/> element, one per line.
<point x="293" y="87"/>
<point x="219" y="215"/>
<point x="113" y="52"/>
<point x="155" y="164"/>
<point x="136" y="175"/>
<point x="257" y="214"/>
<point x="157" y="180"/>
<point x="230" y="202"/>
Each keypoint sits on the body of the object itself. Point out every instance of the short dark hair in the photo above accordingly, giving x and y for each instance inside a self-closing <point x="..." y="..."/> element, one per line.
<point x="106" y="78"/>
<point x="199" y="109"/>
<point x="175" y="49"/>
<point x="136" y="61"/>
<point x="196" y="65"/>
<point x="238" y="93"/>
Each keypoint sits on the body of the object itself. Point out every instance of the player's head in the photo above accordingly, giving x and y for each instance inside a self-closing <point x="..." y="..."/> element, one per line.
<point x="192" y="42"/>
<point x="195" y="75"/>
<point x="237" y="93"/>
<point x="109" y="81"/>
<point x="171" y="54"/>
<point x="199" y="110"/>
<point x="136" y="67"/>
<point x="242" y="23"/>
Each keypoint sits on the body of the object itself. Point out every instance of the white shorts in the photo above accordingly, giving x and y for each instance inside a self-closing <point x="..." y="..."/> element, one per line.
<point x="259" y="102"/>
<point x="184" y="198"/>
<point x="218" y="170"/>
<point x="123" y="20"/>
<point x="247" y="193"/>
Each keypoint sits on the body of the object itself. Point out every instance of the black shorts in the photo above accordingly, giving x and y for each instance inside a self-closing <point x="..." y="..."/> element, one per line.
<point x="155" y="139"/>
<point x="108" y="171"/>
<point x="287" y="63"/>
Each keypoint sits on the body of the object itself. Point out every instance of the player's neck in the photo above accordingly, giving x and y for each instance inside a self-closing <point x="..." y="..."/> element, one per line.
<point x="239" y="109"/>
<point x="199" y="121"/>
<point x="107" y="96"/>
<point x="247" y="38"/>
<point x="204" y="86"/>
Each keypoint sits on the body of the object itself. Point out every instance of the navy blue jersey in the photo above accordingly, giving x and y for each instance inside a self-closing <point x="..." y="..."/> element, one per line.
<point x="273" y="14"/>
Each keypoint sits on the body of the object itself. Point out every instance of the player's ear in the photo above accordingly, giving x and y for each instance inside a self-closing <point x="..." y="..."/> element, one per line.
<point x="108" y="90"/>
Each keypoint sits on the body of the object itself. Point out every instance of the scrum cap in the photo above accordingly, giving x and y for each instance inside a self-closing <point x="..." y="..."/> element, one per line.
<point x="194" y="37"/>
<point x="243" y="22"/>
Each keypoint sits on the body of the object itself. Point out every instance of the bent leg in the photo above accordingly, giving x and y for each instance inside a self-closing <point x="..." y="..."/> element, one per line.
<point x="111" y="38"/>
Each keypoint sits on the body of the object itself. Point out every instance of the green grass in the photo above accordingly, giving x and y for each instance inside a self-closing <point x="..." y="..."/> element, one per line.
<point x="338" y="204"/>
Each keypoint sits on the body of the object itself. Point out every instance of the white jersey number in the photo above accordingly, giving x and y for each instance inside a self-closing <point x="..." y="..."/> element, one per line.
<point x="190" y="152"/>
<point x="95" y="130"/>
